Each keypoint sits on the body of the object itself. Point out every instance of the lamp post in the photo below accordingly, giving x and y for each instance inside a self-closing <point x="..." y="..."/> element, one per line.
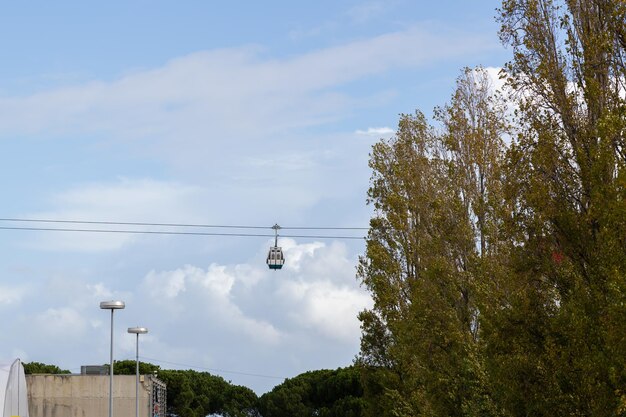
<point x="137" y="331"/>
<point x="111" y="305"/>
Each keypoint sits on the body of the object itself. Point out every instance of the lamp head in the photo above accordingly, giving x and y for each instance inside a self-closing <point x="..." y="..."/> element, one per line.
<point x="137" y="330"/>
<point x="112" y="305"/>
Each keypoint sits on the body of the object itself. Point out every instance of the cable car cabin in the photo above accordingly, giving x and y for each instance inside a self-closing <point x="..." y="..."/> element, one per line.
<point x="275" y="258"/>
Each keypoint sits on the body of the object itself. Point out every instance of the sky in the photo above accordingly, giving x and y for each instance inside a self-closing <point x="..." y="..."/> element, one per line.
<point x="219" y="113"/>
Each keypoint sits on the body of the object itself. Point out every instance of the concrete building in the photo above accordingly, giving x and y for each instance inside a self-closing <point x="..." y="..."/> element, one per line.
<point x="88" y="396"/>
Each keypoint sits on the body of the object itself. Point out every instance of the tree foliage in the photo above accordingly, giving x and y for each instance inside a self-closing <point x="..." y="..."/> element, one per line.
<point x="42" y="368"/>
<point x="129" y="367"/>
<point x="324" y="393"/>
<point x="567" y="169"/>
<point x="496" y="255"/>
<point x="197" y="394"/>
<point x="437" y="198"/>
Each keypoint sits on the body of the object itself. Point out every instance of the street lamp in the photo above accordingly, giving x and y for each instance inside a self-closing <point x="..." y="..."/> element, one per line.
<point x="137" y="331"/>
<point x="111" y="305"/>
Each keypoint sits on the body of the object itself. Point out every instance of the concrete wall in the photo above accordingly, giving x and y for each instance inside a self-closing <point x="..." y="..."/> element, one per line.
<point x="87" y="396"/>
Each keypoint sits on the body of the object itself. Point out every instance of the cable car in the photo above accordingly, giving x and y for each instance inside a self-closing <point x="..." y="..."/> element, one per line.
<point x="275" y="258"/>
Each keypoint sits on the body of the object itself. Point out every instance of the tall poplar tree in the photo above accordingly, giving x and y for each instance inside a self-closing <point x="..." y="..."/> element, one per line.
<point x="557" y="344"/>
<point x="436" y="197"/>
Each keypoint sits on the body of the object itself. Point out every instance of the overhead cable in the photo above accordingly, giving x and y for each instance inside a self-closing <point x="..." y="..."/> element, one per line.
<point x="212" y="369"/>
<point x="216" y="226"/>
<point x="170" y="232"/>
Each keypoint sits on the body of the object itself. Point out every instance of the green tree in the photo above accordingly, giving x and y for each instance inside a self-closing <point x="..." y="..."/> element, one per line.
<point x="240" y="402"/>
<point x="556" y="340"/>
<point x="197" y="394"/>
<point x="129" y="367"/>
<point x="179" y="392"/>
<point x="42" y="368"/>
<point x="324" y="393"/>
<point x="402" y="178"/>
<point x="189" y="393"/>
<point x="438" y="210"/>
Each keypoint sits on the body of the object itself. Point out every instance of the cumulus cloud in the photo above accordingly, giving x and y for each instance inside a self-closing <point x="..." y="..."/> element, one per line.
<point x="322" y="292"/>
<point x="209" y="292"/>
<point x="166" y="284"/>
<point x="239" y="316"/>
<point x="328" y="308"/>
<point x="497" y="81"/>
<point x="313" y="300"/>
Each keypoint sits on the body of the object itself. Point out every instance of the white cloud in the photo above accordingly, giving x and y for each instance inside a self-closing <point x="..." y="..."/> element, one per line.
<point x="297" y="254"/>
<point x="126" y="200"/>
<point x="498" y="83"/>
<point x="316" y="289"/>
<point x="65" y="321"/>
<point x="323" y="292"/>
<point x="99" y="291"/>
<point x="377" y="131"/>
<point x="328" y="308"/>
<point x="11" y="295"/>
<point x="240" y="317"/>
<point x="168" y="284"/>
<point x="236" y="121"/>
<point x="208" y="292"/>
<point x="231" y="93"/>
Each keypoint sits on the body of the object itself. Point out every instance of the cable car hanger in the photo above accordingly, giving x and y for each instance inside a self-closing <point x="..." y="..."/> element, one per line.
<point x="275" y="257"/>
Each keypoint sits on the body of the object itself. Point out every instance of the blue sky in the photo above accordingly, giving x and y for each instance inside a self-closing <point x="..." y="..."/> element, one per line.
<point x="196" y="112"/>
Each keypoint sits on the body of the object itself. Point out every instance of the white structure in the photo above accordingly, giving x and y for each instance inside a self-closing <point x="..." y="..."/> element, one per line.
<point x="13" y="393"/>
